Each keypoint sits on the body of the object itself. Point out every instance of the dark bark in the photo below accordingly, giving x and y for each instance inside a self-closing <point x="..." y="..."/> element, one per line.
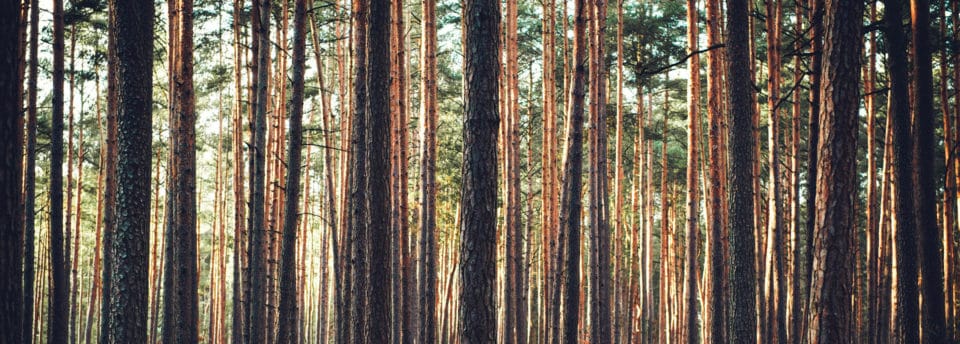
<point x="377" y="186"/>
<point x="257" y="312"/>
<point x="743" y="319"/>
<point x="128" y="309"/>
<point x="356" y="221"/>
<point x="931" y="251"/>
<point x="478" y="193"/>
<point x="907" y="308"/>
<point x="571" y="204"/>
<point x="287" y="332"/>
<point x="601" y="274"/>
<point x="11" y="179"/>
<point x="831" y="315"/>
<point x="239" y="219"/>
<point x="59" y="293"/>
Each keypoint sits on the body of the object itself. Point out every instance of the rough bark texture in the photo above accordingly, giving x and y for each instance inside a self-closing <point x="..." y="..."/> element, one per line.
<point x="128" y="293"/>
<point x="289" y="308"/>
<point x="931" y="253"/>
<point x="377" y="186"/>
<point x="742" y="142"/>
<point x="11" y="179"/>
<point x="478" y="199"/>
<point x="239" y="201"/>
<point x="428" y="178"/>
<point x="180" y="278"/>
<point x="831" y="313"/>
<point x="356" y="222"/>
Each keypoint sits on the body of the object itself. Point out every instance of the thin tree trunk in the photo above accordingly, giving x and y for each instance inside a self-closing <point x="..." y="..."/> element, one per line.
<point x="601" y="275"/>
<point x="428" y="165"/>
<point x="571" y="200"/>
<point x="181" y="301"/>
<point x="29" y="196"/>
<point x="690" y="284"/>
<point x="715" y="222"/>
<point x="239" y="201"/>
<point x="257" y="317"/>
<point x="287" y="332"/>
<point x="59" y="300"/>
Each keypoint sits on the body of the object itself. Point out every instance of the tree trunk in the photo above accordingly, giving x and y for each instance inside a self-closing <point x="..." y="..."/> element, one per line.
<point x="356" y="223"/>
<point x="29" y="196"/>
<point x="289" y="308"/>
<point x="715" y="222"/>
<point x="110" y="178"/>
<point x="774" y="290"/>
<point x="907" y="308"/>
<point x="550" y="260"/>
<point x="931" y="267"/>
<point x="181" y="302"/>
<point x="59" y="300"/>
<point x="428" y="178"/>
<point x="601" y="274"/>
<point x="831" y="313"/>
<point x="742" y="270"/>
<point x="239" y="201"/>
<point x="257" y="317"/>
<point x="690" y="284"/>
<point x="11" y="127"/>
<point x="571" y="197"/>
<point x="128" y="308"/>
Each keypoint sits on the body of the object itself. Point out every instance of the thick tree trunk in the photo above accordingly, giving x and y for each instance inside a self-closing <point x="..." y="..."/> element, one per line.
<point x="11" y="127"/>
<point x="128" y="308"/>
<point x="931" y="266"/>
<point x="356" y="222"/>
<point x="907" y="309"/>
<point x="831" y="313"/>
<point x="477" y="320"/>
<point x="377" y="186"/>
<point x="742" y="270"/>
<point x="289" y="308"/>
